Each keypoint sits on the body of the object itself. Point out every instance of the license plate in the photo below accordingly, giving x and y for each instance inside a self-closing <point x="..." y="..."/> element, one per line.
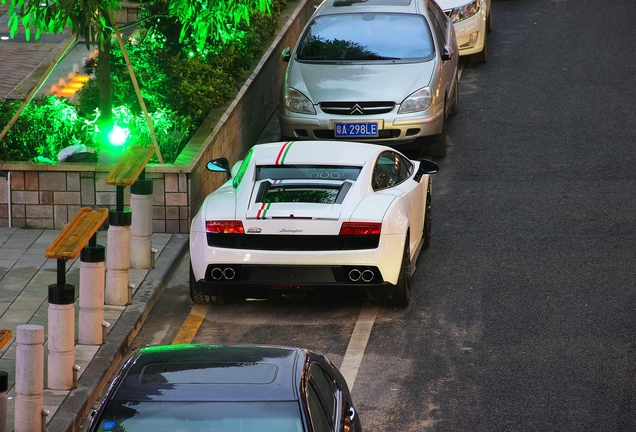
<point x="356" y="130"/>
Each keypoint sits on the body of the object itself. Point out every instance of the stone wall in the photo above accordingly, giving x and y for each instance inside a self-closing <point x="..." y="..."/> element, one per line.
<point x="48" y="196"/>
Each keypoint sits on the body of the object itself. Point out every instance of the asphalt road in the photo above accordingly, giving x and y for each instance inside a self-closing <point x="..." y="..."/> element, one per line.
<point x="522" y="316"/>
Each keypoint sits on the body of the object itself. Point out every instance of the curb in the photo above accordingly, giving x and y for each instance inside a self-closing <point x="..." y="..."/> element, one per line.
<point x="77" y="405"/>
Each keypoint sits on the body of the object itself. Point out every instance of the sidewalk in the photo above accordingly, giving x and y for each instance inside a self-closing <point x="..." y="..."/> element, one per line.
<point x="25" y="275"/>
<point x="22" y="63"/>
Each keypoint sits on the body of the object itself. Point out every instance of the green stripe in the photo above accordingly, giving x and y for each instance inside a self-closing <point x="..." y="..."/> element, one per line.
<point x="265" y="210"/>
<point x="282" y="160"/>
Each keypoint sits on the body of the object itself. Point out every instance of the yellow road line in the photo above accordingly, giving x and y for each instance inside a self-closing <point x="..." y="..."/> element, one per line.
<point x="191" y="324"/>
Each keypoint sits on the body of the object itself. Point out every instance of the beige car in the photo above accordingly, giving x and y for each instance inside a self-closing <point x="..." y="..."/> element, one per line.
<point x="377" y="71"/>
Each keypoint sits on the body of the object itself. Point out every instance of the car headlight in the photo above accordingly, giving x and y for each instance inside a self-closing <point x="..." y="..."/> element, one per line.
<point x="466" y="11"/>
<point x="297" y="102"/>
<point x="418" y="101"/>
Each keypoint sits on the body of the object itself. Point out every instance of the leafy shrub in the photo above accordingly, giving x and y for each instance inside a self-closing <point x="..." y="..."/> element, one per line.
<point x="179" y="82"/>
<point x="45" y="127"/>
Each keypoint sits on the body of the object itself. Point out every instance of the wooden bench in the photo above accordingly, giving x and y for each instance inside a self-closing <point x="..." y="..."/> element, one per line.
<point x="132" y="163"/>
<point x="5" y="337"/>
<point x="76" y="233"/>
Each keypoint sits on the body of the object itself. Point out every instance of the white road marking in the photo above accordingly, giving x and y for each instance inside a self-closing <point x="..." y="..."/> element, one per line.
<point x="358" y="343"/>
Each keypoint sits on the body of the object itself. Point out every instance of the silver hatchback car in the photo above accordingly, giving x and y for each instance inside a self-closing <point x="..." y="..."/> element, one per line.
<point x="378" y="71"/>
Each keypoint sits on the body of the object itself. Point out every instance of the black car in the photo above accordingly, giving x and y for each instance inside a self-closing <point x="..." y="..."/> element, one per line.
<point x="209" y="388"/>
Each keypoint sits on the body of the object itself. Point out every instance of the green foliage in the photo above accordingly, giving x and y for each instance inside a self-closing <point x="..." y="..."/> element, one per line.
<point x="206" y="20"/>
<point x="84" y="17"/>
<point x="45" y="127"/>
<point x="178" y="90"/>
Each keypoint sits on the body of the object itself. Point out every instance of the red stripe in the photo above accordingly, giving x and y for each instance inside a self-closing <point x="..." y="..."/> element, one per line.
<point x="260" y="210"/>
<point x="280" y="153"/>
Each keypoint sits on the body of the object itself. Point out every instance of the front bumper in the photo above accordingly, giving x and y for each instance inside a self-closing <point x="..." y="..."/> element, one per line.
<point x="395" y="130"/>
<point x="471" y="34"/>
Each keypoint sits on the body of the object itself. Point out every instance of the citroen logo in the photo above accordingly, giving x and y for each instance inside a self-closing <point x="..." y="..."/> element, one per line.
<point x="356" y="109"/>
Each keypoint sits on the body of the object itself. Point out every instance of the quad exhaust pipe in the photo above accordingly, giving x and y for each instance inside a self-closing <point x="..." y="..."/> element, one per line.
<point x="227" y="273"/>
<point x="356" y="275"/>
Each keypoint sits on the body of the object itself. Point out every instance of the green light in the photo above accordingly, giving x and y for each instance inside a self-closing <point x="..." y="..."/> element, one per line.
<point x="118" y="136"/>
<point x="191" y="54"/>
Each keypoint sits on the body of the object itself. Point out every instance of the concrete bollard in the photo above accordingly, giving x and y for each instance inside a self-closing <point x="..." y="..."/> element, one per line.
<point x="91" y="298"/>
<point x="29" y="374"/>
<point x="61" y="337"/>
<point x="4" y="409"/>
<point x="141" y="227"/>
<point x="118" y="265"/>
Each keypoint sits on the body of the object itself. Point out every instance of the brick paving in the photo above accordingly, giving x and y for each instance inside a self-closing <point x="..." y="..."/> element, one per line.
<point x="22" y="62"/>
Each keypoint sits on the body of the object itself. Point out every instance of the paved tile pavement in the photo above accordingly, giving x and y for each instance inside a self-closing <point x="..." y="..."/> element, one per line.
<point x="25" y="275"/>
<point x="23" y="63"/>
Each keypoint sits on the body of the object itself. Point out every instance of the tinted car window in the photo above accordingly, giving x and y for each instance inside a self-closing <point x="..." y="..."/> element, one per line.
<point x="144" y="416"/>
<point x="390" y="169"/>
<point x="322" y="398"/>
<point x="439" y="22"/>
<point x="367" y="37"/>
<point x="319" y="420"/>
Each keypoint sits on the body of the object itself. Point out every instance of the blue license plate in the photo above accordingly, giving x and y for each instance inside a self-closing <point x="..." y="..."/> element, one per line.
<point x="356" y="130"/>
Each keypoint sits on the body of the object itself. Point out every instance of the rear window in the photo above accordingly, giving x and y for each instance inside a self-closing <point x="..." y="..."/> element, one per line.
<point x="367" y="37"/>
<point x="208" y="373"/>
<point x="307" y="172"/>
<point x="145" y="416"/>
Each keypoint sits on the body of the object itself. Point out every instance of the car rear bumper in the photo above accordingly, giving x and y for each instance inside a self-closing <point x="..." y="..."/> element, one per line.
<point x="300" y="267"/>
<point x="268" y="281"/>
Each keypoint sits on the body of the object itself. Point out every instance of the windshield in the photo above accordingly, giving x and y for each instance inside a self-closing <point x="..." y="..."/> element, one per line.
<point x="367" y="36"/>
<point x="201" y="417"/>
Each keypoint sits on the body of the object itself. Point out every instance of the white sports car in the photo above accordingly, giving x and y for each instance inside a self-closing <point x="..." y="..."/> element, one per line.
<point x="318" y="217"/>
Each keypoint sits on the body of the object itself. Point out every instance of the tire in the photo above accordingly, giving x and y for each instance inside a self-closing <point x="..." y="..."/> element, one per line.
<point x="402" y="291"/>
<point x="482" y="56"/>
<point x="428" y="220"/>
<point x="438" y="151"/>
<point x="489" y="20"/>
<point x="199" y="297"/>
<point x="455" y="104"/>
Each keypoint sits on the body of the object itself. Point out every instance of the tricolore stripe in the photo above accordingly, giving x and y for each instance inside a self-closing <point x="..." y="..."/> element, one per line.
<point x="282" y="154"/>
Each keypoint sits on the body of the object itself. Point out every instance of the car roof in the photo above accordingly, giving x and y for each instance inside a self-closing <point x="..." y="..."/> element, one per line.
<point x="201" y="372"/>
<point x="315" y="152"/>
<point x="348" y="6"/>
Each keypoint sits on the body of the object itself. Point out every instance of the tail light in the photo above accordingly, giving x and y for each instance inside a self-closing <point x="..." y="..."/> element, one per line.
<point x="360" y="228"/>
<point x="224" y="227"/>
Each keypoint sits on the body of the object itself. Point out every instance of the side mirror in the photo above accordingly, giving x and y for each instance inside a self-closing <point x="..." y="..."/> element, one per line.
<point x="286" y="55"/>
<point x="220" y="165"/>
<point x="426" y="167"/>
<point x="447" y="54"/>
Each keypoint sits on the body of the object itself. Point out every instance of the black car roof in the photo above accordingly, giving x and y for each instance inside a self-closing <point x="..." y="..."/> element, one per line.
<point x="211" y="373"/>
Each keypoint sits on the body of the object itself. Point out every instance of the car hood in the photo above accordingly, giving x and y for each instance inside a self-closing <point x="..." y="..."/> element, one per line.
<point x="359" y="82"/>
